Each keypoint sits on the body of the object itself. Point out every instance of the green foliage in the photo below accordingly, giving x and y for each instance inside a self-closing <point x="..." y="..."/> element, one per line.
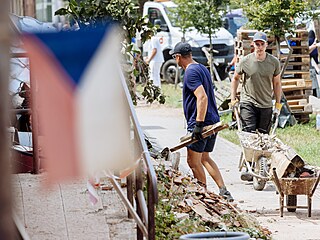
<point x="274" y="15"/>
<point x="207" y="15"/>
<point x="151" y="93"/>
<point x="203" y="15"/>
<point x="182" y="13"/>
<point x="91" y="13"/>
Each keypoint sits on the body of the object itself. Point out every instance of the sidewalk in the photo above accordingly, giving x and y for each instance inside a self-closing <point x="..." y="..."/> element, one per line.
<point x="167" y="126"/>
<point x="65" y="212"/>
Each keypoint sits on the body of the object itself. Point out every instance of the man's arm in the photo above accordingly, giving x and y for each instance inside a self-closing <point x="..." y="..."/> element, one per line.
<point x="234" y="85"/>
<point x="153" y="53"/>
<point x="202" y="103"/>
<point x="277" y="88"/>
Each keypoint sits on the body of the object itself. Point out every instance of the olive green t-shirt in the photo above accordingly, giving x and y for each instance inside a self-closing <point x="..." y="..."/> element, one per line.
<point x="258" y="77"/>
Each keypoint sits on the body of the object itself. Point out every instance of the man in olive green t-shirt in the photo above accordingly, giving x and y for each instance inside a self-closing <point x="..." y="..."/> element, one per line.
<point x="261" y="78"/>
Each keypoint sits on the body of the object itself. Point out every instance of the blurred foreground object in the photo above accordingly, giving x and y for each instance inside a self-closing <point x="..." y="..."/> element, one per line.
<point x="77" y="92"/>
<point x="6" y="222"/>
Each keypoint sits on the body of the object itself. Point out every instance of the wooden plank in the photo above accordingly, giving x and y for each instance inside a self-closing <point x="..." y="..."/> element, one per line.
<point x="187" y="139"/>
<point x="244" y="34"/>
<point x="294" y="97"/>
<point x="292" y="88"/>
<point x="296" y="55"/>
<point x="296" y="108"/>
<point x="297" y="72"/>
<point x="293" y="82"/>
<point x="297" y="102"/>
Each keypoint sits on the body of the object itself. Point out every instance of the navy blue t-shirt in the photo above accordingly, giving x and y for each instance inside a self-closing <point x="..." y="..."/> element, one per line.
<point x="196" y="75"/>
<point x="314" y="53"/>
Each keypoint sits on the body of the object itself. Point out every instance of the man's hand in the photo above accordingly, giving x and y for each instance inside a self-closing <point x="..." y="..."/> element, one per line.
<point x="234" y="103"/>
<point x="197" y="131"/>
<point x="276" y="111"/>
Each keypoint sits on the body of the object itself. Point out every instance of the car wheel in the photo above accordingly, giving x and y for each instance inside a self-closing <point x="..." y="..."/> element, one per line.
<point x="169" y="69"/>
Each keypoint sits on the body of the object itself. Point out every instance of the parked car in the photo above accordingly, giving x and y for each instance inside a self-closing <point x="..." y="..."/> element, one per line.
<point x="233" y="20"/>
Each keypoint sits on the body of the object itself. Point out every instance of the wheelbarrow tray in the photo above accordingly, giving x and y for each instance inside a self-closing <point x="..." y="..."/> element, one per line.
<point x="252" y="154"/>
<point x="297" y="186"/>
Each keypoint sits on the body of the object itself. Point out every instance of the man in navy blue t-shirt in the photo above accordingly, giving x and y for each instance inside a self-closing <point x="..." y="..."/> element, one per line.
<point x="200" y="110"/>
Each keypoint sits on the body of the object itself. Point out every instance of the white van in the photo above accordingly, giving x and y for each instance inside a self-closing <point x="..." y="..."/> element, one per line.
<point x="171" y="34"/>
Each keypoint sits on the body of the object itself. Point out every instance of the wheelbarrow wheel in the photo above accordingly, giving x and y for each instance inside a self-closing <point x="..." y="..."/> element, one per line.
<point x="260" y="169"/>
<point x="291" y="201"/>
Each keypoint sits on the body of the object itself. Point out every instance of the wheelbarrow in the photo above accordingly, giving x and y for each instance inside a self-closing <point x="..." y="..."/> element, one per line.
<point x="291" y="187"/>
<point x="262" y="152"/>
<point x="257" y="149"/>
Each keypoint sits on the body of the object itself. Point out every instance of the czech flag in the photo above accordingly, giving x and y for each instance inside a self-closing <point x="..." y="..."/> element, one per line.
<point x="80" y="103"/>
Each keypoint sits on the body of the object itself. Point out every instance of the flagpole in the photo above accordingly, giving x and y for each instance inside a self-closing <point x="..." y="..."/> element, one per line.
<point x="6" y="221"/>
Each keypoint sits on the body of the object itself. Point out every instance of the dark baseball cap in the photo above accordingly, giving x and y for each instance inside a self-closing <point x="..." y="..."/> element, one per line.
<point x="181" y="48"/>
<point x="260" y="36"/>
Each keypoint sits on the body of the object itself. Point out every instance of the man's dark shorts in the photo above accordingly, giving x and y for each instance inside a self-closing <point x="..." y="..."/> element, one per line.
<point x="254" y="118"/>
<point x="204" y="145"/>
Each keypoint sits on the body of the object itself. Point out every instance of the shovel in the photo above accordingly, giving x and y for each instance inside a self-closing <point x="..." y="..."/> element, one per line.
<point x="186" y="140"/>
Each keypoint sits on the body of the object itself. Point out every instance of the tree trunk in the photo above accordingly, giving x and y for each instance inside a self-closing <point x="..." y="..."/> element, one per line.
<point x="6" y="222"/>
<point x="141" y="3"/>
<point x="211" y="59"/>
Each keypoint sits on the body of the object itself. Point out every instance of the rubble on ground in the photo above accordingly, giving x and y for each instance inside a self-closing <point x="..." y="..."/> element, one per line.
<point x="189" y="199"/>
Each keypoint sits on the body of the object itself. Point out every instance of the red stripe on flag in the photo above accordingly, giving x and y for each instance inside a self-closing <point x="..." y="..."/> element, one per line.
<point x="52" y="95"/>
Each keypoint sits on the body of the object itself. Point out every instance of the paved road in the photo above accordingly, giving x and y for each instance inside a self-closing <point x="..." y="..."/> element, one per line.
<point x="168" y="125"/>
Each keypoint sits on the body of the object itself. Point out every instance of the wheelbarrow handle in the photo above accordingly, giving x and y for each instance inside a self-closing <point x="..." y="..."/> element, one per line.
<point x="275" y="125"/>
<point x="236" y="113"/>
<point x="315" y="184"/>
<point x="277" y="182"/>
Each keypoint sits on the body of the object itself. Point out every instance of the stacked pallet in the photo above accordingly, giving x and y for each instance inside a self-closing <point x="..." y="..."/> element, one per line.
<point x="296" y="82"/>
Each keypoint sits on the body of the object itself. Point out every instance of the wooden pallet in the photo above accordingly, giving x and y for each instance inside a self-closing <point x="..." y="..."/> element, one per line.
<point x="222" y="95"/>
<point x="244" y="34"/>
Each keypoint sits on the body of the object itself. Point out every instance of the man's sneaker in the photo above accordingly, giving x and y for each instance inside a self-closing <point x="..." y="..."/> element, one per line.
<point x="226" y="194"/>
<point x="246" y="176"/>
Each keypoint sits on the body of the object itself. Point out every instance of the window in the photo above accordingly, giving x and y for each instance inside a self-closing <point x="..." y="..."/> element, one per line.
<point x="154" y="14"/>
<point x="44" y="10"/>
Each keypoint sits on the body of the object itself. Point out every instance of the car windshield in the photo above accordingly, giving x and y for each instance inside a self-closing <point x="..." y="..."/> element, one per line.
<point x="173" y="16"/>
<point x="235" y="23"/>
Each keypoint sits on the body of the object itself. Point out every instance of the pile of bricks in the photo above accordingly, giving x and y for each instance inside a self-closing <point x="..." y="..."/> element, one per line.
<point x="296" y="82"/>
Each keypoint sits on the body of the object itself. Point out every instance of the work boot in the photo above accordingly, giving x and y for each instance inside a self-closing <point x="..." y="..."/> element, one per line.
<point x="226" y="194"/>
<point x="246" y="176"/>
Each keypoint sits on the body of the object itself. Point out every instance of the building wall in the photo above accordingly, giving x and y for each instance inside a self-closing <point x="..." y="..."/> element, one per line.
<point x="23" y="7"/>
<point x="43" y="10"/>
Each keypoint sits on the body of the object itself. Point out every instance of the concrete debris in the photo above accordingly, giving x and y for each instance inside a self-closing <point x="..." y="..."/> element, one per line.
<point x="211" y="207"/>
